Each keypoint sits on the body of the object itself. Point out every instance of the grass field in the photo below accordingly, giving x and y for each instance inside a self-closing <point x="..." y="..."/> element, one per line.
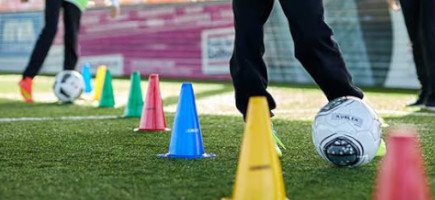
<point x="104" y="159"/>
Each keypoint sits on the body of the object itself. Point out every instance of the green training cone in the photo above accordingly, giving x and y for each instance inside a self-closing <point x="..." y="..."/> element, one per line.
<point x="135" y="101"/>
<point x="107" y="99"/>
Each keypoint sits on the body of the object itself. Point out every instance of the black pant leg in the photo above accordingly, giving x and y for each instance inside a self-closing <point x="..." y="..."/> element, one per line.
<point x="247" y="67"/>
<point x="428" y="40"/>
<point x="71" y="18"/>
<point x="316" y="50"/>
<point x="40" y="51"/>
<point x="413" y="15"/>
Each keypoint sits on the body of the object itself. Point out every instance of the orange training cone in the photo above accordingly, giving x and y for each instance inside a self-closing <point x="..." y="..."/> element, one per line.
<point x="401" y="175"/>
<point x="153" y="116"/>
<point x="259" y="175"/>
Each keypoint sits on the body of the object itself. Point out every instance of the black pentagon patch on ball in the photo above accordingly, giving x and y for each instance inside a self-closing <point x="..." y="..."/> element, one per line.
<point x="333" y="104"/>
<point x="342" y="152"/>
<point x="65" y="77"/>
<point x="63" y="92"/>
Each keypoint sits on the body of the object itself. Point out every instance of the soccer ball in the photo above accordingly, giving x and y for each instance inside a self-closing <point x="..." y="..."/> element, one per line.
<point x="68" y="85"/>
<point x="347" y="132"/>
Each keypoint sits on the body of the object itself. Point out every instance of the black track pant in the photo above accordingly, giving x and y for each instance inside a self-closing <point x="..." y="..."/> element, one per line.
<point x="314" y="48"/>
<point x="420" y="21"/>
<point x="72" y="16"/>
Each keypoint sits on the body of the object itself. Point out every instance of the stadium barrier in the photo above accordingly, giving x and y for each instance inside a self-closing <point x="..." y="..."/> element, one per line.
<point x="194" y="40"/>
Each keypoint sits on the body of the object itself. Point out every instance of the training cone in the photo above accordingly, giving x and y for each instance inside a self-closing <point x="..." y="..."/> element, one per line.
<point x="135" y="101"/>
<point x="107" y="99"/>
<point x="99" y="81"/>
<point x="87" y="77"/>
<point x="401" y="175"/>
<point x="259" y="174"/>
<point x="186" y="139"/>
<point x="153" y="116"/>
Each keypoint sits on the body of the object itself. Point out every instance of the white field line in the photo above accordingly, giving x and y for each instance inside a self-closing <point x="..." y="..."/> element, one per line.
<point x="228" y="113"/>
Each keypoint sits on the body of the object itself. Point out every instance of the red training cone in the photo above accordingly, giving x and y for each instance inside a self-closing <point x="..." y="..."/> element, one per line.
<point x="153" y="116"/>
<point x="402" y="175"/>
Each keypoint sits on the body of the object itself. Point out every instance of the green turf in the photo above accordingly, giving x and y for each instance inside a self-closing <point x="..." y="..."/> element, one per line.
<point x="105" y="159"/>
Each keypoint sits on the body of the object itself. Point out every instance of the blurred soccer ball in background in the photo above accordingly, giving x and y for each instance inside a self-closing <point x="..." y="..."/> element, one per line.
<point x="68" y="85"/>
<point x="347" y="132"/>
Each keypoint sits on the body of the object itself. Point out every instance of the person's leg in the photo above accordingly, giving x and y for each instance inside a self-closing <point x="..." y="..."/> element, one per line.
<point x="248" y="70"/>
<point x="71" y="18"/>
<point x="428" y="35"/>
<point x="247" y="67"/>
<point x="41" y="48"/>
<point x="52" y="9"/>
<point x="316" y="50"/>
<point x="412" y="13"/>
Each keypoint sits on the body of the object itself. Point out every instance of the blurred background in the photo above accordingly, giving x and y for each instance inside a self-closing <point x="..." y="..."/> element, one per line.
<point x="194" y="40"/>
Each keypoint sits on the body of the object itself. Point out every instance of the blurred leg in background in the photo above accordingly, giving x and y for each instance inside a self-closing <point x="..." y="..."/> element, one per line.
<point x="420" y="22"/>
<point x="72" y="15"/>
<point x="39" y="53"/>
<point x="52" y="9"/>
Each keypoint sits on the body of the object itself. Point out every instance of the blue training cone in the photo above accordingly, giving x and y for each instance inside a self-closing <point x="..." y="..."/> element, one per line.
<point x="186" y="139"/>
<point x="87" y="77"/>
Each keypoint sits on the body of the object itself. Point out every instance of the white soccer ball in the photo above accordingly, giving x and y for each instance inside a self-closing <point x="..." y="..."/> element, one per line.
<point x="347" y="132"/>
<point x="68" y="85"/>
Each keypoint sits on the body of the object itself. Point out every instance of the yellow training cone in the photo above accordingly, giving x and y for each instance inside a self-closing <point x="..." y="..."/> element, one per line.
<point x="259" y="175"/>
<point x="99" y="81"/>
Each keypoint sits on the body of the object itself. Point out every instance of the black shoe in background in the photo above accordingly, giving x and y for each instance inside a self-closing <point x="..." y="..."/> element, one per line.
<point x="421" y="100"/>
<point x="430" y="103"/>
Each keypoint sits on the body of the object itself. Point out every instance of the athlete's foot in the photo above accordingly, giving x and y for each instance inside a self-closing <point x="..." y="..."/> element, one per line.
<point x="417" y="103"/>
<point x="277" y="142"/>
<point x="26" y="89"/>
<point x="430" y="105"/>
<point x="420" y="101"/>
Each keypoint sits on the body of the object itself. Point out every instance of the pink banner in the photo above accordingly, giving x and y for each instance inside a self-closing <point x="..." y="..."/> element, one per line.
<point x="167" y="40"/>
<point x="35" y="5"/>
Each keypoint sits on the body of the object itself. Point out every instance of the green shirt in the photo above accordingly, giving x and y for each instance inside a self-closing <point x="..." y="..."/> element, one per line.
<point x="81" y="4"/>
